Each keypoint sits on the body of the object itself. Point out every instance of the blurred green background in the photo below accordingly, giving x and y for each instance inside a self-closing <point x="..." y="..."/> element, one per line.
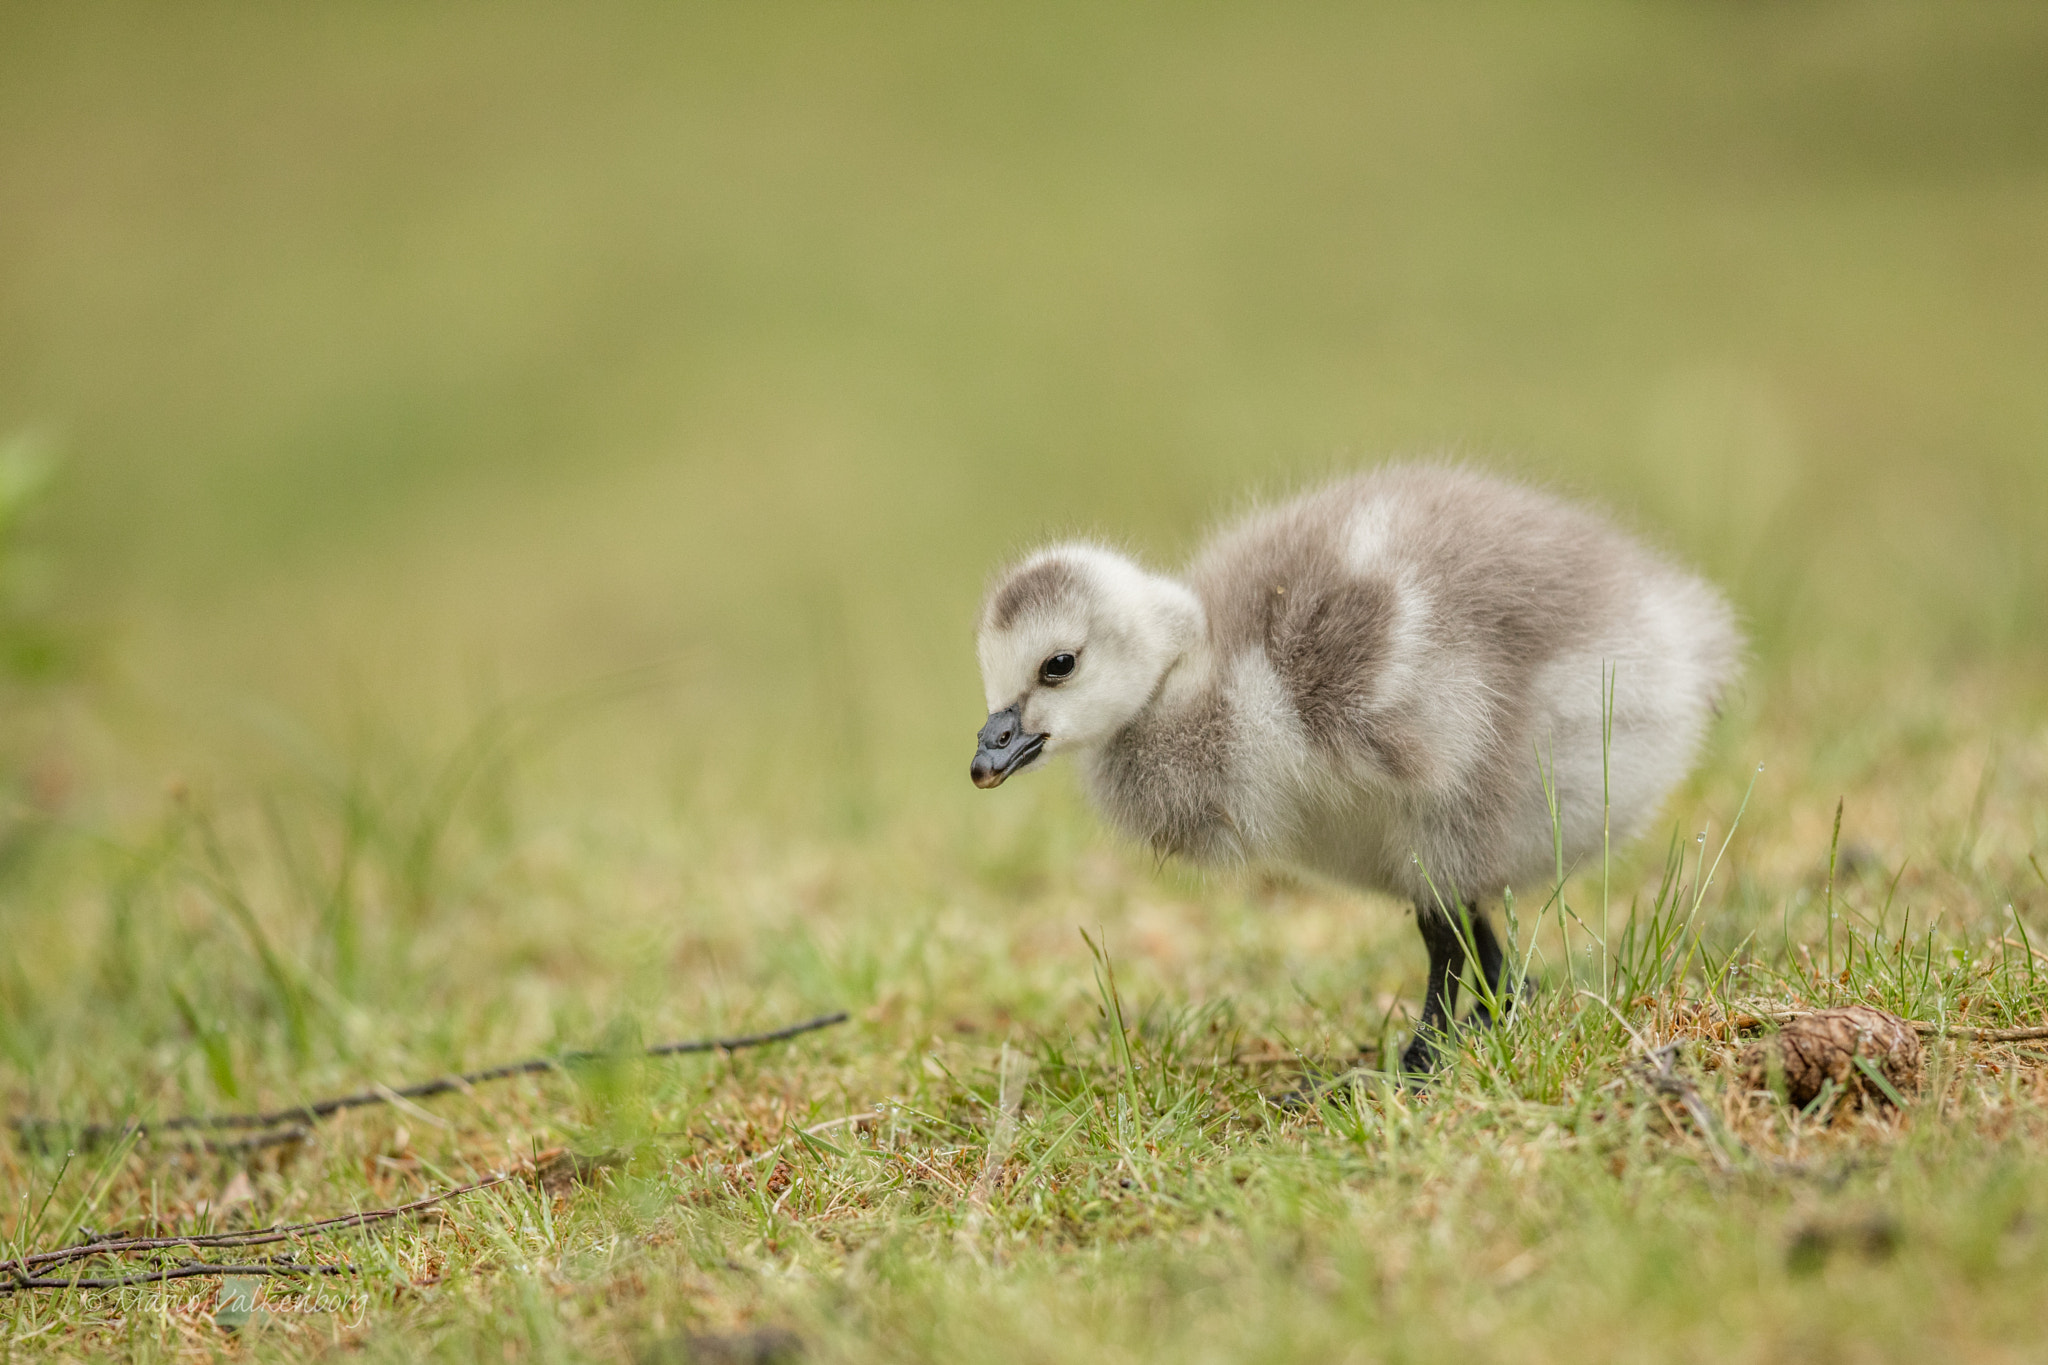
<point x="393" y="361"/>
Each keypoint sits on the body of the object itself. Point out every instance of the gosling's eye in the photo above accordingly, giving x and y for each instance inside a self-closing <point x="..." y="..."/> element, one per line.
<point x="1057" y="669"/>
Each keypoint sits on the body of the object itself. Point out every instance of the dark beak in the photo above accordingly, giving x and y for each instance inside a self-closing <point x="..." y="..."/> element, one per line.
<point x="1003" y="747"/>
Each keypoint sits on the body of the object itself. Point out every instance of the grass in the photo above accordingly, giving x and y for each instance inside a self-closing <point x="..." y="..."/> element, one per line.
<point x="1151" y="1199"/>
<point x="493" y="507"/>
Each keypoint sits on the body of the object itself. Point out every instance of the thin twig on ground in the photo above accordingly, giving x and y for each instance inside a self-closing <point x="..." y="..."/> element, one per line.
<point x="1981" y="1035"/>
<point x="20" y="1271"/>
<point x="2042" y="954"/>
<point x="32" y="1129"/>
<point x="1743" y="1022"/>
<point x="185" y="1270"/>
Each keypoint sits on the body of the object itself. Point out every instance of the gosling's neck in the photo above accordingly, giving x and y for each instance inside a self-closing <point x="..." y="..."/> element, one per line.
<point x="1188" y="665"/>
<point x="1164" y="778"/>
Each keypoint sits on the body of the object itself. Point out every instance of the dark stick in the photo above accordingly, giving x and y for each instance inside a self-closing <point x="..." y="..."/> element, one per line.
<point x="186" y="1271"/>
<point x="21" y="1266"/>
<point x="320" y="1109"/>
<point x="1979" y="1035"/>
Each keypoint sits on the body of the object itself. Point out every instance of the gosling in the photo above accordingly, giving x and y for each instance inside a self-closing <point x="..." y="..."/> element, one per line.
<point x="1399" y="681"/>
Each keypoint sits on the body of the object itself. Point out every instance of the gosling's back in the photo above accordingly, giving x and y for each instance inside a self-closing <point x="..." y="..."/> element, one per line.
<point x="1407" y="658"/>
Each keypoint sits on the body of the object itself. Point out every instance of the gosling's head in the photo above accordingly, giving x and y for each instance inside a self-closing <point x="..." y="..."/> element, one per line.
<point x="1074" y="642"/>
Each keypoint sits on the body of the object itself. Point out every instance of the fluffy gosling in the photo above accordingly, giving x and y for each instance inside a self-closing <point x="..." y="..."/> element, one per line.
<point x="1369" y="682"/>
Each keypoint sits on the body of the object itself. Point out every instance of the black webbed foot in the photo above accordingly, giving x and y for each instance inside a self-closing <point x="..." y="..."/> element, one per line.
<point x="1451" y="935"/>
<point x="1447" y="940"/>
<point x="1419" y="1060"/>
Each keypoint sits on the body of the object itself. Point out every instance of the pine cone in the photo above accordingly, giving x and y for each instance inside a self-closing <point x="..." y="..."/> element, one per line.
<point x="1813" y="1049"/>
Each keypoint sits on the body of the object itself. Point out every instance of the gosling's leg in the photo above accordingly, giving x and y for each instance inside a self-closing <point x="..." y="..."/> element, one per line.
<point x="1493" y="968"/>
<point x="1440" y="996"/>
